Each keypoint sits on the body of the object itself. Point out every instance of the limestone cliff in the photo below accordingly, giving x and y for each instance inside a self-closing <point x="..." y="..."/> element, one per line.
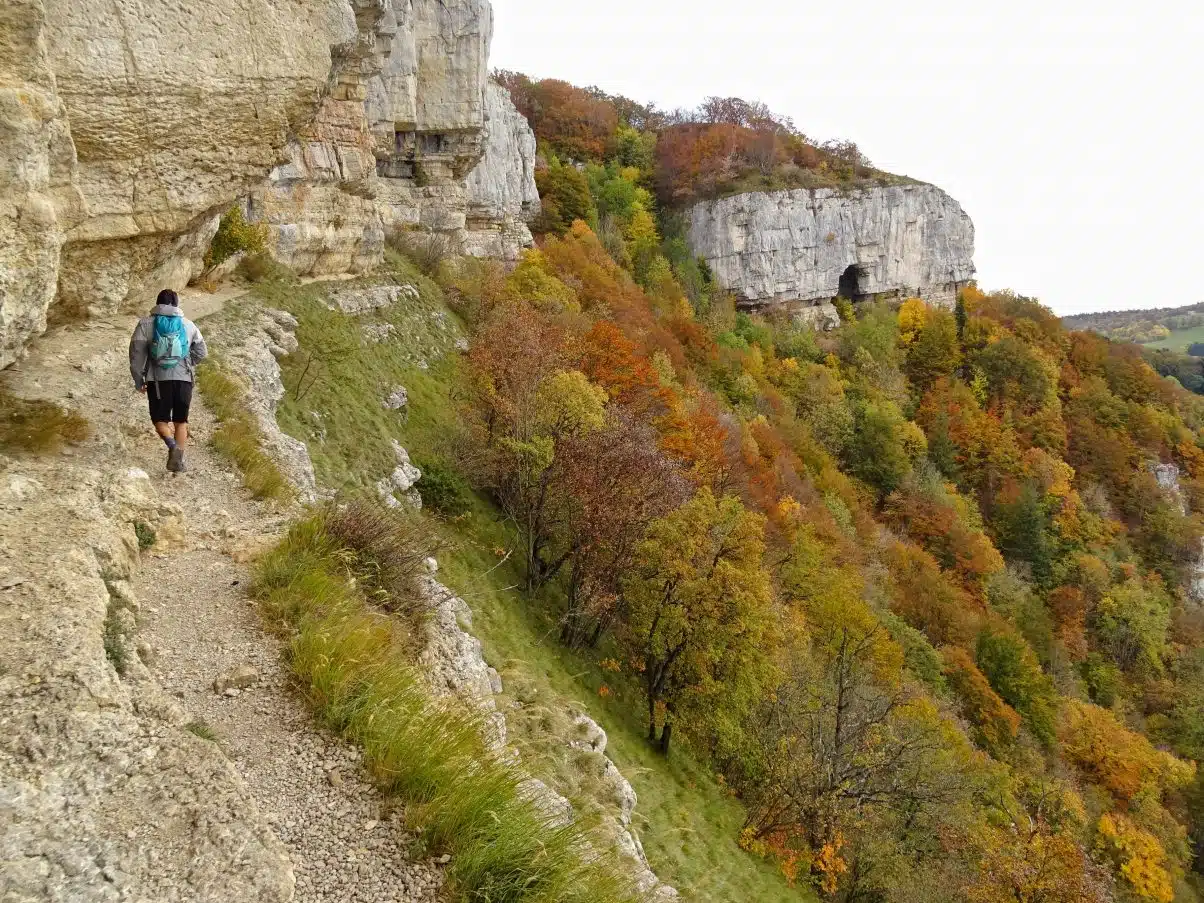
<point x="38" y="196"/>
<point x="127" y="129"/>
<point x="502" y="197"/>
<point x="174" y="110"/>
<point x="412" y="136"/>
<point x="811" y="245"/>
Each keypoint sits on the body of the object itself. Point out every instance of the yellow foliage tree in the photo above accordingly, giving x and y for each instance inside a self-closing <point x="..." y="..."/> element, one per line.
<point x="1139" y="857"/>
<point x="1119" y="760"/>
<point x="913" y="314"/>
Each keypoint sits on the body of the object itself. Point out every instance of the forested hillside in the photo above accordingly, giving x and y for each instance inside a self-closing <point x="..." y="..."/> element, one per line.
<point x="913" y="589"/>
<point x="1141" y="326"/>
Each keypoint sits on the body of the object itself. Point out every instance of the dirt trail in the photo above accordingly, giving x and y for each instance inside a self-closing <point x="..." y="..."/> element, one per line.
<point x="195" y="623"/>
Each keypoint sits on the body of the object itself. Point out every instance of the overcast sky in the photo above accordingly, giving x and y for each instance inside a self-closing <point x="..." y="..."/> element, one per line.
<point x="1069" y="131"/>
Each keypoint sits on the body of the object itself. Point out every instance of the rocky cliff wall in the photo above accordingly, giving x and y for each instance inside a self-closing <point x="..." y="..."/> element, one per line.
<point x="502" y="197"/>
<point x="175" y="109"/>
<point x="126" y="130"/>
<point x="812" y="245"/>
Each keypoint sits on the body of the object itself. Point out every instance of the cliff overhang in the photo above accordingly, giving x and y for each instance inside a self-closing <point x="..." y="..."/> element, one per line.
<point x="806" y="246"/>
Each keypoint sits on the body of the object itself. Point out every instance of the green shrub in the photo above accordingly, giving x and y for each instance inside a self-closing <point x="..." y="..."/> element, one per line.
<point x="114" y="642"/>
<point x="235" y="234"/>
<point x="444" y="491"/>
<point x="428" y="251"/>
<point x="1105" y="682"/>
<point x="145" y="533"/>
<point x="262" y="267"/>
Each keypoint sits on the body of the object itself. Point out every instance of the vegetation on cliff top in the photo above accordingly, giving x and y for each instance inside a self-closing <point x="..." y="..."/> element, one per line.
<point x="725" y="146"/>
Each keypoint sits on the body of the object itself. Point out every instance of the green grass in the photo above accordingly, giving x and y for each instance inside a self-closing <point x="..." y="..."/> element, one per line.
<point x="145" y="534"/>
<point x="38" y="427"/>
<point x="687" y="821"/>
<point x="238" y="436"/>
<point x="200" y="728"/>
<point x="343" y="377"/>
<point x="114" y="640"/>
<point x="350" y="659"/>
<point x="1179" y="339"/>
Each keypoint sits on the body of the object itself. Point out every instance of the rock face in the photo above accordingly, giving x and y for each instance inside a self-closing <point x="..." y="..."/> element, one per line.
<point x="174" y="110"/>
<point x="412" y="137"/>
<point x="807" y="246"/>
<point x="39" y="200"/>
<point x="502" y="197"/>
<point x="126" y="130"/>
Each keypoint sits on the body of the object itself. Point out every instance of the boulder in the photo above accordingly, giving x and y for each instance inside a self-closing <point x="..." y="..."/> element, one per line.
<point x="237" y="678"/>
<point x="397" y="399"/>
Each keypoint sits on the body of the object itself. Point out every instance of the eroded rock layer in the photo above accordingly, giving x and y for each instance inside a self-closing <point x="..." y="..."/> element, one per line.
<point x="127" y="128"/>
<point x="174" y="110"/>
<point x="808" y="246"/>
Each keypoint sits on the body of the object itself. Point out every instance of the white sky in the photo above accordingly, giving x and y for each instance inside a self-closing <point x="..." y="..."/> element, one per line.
<point x="1069" y="131"/>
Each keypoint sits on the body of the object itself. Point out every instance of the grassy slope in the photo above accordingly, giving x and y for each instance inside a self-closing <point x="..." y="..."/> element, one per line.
<point x="1179" y="339"/>
<point x="686" y="821"/>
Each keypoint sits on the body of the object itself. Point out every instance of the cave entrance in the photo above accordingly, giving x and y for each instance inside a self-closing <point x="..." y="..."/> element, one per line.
<point x="852" y="283"/>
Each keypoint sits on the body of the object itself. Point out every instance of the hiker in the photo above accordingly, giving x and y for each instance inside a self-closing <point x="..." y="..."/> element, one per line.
<point x="164" y="352"/>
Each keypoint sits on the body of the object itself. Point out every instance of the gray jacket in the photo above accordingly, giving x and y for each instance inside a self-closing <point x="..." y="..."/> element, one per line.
<point x="143" y="369"/>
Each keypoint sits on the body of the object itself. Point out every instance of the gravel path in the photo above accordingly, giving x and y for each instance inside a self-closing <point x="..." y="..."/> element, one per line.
<point x="344" y="842"/>
<point x="195" y="623"/>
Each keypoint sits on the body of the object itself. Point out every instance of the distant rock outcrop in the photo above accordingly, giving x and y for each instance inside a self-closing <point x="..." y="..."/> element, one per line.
<point x="811" y="245"/>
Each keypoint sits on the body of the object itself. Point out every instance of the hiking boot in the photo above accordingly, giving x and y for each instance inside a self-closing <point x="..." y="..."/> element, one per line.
<point x="175" y="460"/>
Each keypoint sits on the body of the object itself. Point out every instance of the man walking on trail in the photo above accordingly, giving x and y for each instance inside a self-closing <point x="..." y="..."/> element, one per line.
<point x="164" y="352"/>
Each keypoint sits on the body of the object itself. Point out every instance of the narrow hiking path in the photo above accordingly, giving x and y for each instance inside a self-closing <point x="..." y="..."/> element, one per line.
<point x="195" y="623"/>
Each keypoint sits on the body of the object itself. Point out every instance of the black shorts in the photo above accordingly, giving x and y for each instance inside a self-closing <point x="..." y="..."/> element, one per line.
<point x="170" y="403"/>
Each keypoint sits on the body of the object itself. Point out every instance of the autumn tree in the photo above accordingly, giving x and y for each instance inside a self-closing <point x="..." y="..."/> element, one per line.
<point x="1138" y="856"/>
<point x="567" y="406"/>
<point x="697" y="605"/>
<point x="1013" y="671"/>
<point x="1041" y="867"/>
<point x="926" y="598"/>
<point x="996" y="723"/>
<point x="933" y="351"/>
<point x="885" y="445"/>
<point x="1121" y="761"/>
<point x="1131" y="623"/>
<point x="615" y="481"/>
<point x="564" y="198"/>
<point x="947" y="525"/>
<point x="844" y="742"/>
<point x="571" y="121"/>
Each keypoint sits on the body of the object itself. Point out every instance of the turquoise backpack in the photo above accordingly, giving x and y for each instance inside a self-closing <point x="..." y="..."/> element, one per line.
<point x="169" y="347"/>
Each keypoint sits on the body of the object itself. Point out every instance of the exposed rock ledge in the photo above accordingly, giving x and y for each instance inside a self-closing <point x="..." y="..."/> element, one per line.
<point x="126" y="129"/>
<point x="103" y="795"/>
<point x="809" y="246"/>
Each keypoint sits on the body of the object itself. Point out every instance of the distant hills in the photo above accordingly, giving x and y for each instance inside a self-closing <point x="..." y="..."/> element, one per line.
<point x="1173" y="328"/>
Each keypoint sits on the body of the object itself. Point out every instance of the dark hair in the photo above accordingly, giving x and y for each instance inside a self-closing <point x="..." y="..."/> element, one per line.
<point x="167" y="296"/>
